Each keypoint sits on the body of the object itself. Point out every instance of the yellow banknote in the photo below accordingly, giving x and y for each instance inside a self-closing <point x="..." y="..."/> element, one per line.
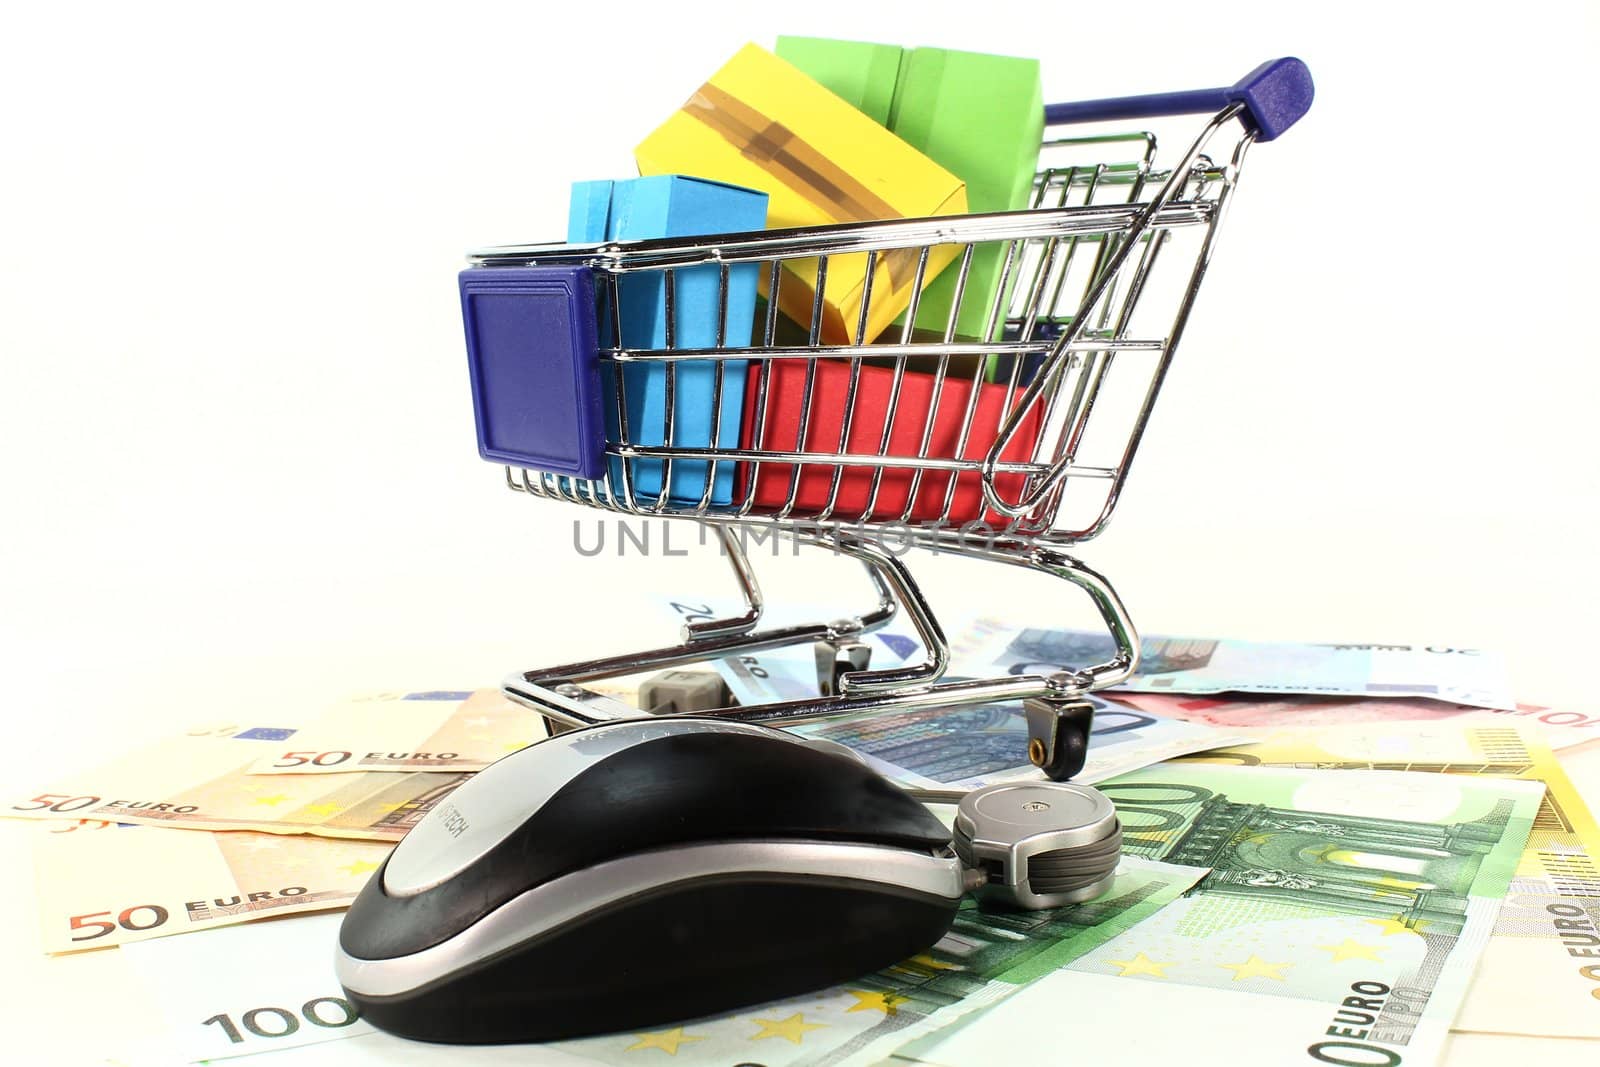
<point x="429" y="731"/>
<point x="1541" y="972"/>
<point x="200" y="781"/>
<point x="100" y="884"/>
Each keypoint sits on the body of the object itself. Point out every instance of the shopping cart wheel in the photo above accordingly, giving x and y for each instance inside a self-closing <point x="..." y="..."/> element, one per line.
<point x="1058" y="734"/>
<point x="838" y="657"/>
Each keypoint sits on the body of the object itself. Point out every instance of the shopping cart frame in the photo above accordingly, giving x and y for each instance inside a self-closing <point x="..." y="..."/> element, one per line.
<point x="1130" y="235"/>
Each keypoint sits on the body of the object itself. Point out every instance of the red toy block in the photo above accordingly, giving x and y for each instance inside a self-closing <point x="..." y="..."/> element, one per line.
<point x="786" y="380"/>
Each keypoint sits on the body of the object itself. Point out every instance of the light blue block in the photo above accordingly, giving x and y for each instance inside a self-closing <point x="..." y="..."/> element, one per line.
<point x="674" y="206"/>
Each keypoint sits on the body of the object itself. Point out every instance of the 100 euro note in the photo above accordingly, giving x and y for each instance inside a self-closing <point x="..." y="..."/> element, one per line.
<point x="1541" y="970"/>
<point x="1205" y="665"/>
<point x="100" y="884"/>
<point x="1341" y="922"/>
<point x="199" y="780"/>
<point x="986" y="956"/>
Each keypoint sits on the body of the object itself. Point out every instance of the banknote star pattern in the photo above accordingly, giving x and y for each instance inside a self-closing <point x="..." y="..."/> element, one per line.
<point x="665" y="1040"/>
<point x="793" y="1028"/>
<point x="274" y="799"/>
<point x="323" y="809"/>
<point x="359" y="867"/>
<point x="1352" y="950"/>
<point x="1140" y="964"/>
<point x="927" y="960"/>
<point x="874" y="1000"/>
<point x="1256" y="967"/>
<point x="1392" y="925"/>
<point x="924" y="961"/>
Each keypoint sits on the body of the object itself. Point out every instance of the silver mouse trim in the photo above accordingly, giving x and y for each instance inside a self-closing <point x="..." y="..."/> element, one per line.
<point x="465" y="825"/>
<point x="545" y="907"/>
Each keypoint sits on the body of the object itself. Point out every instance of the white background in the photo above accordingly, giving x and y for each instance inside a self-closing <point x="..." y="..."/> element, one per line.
<point x="239" y="470"/>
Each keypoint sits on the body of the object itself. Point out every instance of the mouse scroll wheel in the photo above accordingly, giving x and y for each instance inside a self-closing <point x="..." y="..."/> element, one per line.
<point x="1041" y="844"/>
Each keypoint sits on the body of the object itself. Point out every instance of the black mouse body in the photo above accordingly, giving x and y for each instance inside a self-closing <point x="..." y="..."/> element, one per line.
<point x="643" y="872"/>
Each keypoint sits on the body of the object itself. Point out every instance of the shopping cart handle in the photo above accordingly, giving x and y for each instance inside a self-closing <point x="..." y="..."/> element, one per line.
<point x="1274" y="96"/>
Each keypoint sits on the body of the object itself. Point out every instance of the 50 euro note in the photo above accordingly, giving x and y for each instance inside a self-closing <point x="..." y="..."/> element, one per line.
<point x="1541" y="970"/>
<point x="426" y="731"/>
<point x="100" y="884"/>
<point x="1207" y="665"/>
<point x="199" y="780"/>
<point x="290" y="991"/>
<point x="1341" y="922"/>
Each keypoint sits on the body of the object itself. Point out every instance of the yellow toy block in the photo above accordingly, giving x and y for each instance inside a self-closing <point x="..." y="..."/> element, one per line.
<point x="762" y="124"/>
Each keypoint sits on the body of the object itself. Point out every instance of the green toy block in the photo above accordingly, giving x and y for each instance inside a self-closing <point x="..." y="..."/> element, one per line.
<point x="981" y="117"/>
<point x="863" y="74"/>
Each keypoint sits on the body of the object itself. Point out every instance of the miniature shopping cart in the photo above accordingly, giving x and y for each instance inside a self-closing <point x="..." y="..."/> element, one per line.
<point x="1008" y="446"/>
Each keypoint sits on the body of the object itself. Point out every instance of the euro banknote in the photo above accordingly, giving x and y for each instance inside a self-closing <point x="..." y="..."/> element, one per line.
<point x="427" y="731"/>
<point x="1205" y="665"/>
<point x="1560" y="729"/>
<point x="199" y="781"/>
<point x="960" y="747"/>
<point x="788" y="673"/>
<point x="1541" y="970"/>
<point x="268" y="988"/>
<point x="288" y="995"/>
<point x="104" y="884"/>
<point x="967" y="747"/>
<point x="1341" y="923"/>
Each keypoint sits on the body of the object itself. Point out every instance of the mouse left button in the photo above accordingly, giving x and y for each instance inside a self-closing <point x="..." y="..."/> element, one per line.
<point x="468" y="824"/>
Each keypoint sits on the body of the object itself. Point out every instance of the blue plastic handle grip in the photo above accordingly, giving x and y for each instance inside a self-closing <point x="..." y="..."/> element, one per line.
<point x="1274" y="95"/>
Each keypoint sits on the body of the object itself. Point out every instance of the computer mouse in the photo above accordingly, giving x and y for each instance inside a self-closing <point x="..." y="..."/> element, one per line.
<point x="643" y="872"/>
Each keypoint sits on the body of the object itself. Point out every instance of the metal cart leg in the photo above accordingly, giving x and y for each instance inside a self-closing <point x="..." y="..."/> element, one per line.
<point x="1058" y="724"/>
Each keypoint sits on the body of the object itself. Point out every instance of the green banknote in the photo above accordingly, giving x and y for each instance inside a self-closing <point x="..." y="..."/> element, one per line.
<point x="1341" y="923"/>
<point x="986" y="956"/>
<point x="1541" y="971"/>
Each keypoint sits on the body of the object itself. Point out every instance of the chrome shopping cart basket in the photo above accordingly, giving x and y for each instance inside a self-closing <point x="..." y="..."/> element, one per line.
<point x="1010" y="445"/>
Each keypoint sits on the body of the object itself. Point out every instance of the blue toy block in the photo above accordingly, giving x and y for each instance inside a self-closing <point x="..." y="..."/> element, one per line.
<point x="674" y="206"/>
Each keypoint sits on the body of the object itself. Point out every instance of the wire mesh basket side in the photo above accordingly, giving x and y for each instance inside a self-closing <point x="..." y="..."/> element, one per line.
<point x="751" y="415"/>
